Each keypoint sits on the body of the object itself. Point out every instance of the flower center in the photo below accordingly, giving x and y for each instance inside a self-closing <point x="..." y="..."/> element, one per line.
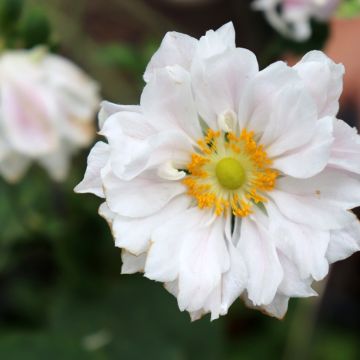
<point x="230" y="173"/>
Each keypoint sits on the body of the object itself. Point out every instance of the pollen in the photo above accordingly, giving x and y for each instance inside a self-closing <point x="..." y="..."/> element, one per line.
<point x="229" y="173"/>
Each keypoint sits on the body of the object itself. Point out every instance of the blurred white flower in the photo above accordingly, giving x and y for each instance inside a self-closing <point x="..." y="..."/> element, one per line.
<point x="47" y="108"/>
<point x="292" y="17"/>
<point x="227" y="181"/>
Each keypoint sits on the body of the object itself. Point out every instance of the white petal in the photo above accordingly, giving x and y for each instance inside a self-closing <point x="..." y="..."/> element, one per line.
<point x="291" y="120"/>
<point x="263" y="266"/>
<point x="135" y="146"/>
<point x="97" y="159"/>
<point x="215" y="43"/>
<point x="278" y="307"/>
<point x="134" y="234"/>
<point x="234" y="281"/>
<point x="204" y="258"/>
<point x="332" y="185"/>
<point x="344" y="242"/>
<point x="175" y="49"/>
<point x="258" y="100"/>
<point x="304" y="246"/>
<point x="313" y="155"/>
<point x="345" y="151"/>
<point x="324" y="79"/>
<point x="293" y="284"/>
<point x="163" y="259"/>
<point x="219" y="81"/>
<point x="308" y="210"/>
<point x="108" y="108"/>
<point x="132" y="264"/>
<point x="141" y="196"/>
<point x="168" y="103"/>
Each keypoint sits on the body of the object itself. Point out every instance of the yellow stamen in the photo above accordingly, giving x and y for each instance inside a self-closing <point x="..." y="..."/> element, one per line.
<point x="230" y="173"/>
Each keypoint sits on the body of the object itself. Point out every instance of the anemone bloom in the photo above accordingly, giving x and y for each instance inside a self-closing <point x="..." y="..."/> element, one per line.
<point x="292" y="17"/>
<point x="228" y="181"/>
<point x="47" y="112"/>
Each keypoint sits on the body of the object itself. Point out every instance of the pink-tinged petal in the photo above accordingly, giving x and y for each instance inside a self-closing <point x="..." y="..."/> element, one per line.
<point x="314" y="155"/>
<point x="167" y="102"/>
<point x="309" y="210"/>
<point x="328" y="86"/>
<point x="108" y="108"/>
<point x="264" y="269"/>
<point x="134" y="234"/>
<point x="331" y="185"/>
<point x="345" y="151"/>
<point x="97" y="160"/>
<point x="344" y="242"/>
<point x="28" y="118"/>
<point x="219" y="82"/>
<point x="175" y="49"/>
<point x="132" y="264"/>
<point x="142" y="196"/>
<point x="304" y="246"/>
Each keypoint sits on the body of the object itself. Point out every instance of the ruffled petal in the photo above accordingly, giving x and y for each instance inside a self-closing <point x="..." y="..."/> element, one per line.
<point x="263" y="266"/>
<point x="219" y="81"/>
<point x="135" y="148"/>
<point x="304" y="246"/>
<point x="328" y="86"/>
<point x="332" y="185"/>
<point x="134" y="234"/>
<point x="132" y="264"/>
<point x="314" y="155"/>
<point x="175" y="49"/>
<point x="345" y="151"/>
<point x="97" y="160"/>
<point x="309" y="210"/>
<point x="344" y="242"/>
<point x="142" y="196"/>
<point x="108" y="108"/>
<point x="167" y="102"/>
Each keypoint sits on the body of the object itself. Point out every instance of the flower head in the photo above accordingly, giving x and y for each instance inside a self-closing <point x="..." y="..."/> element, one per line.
<point x="292" y="17"/>
<point x="47" y="110"/>
<point x="227" y="181"/>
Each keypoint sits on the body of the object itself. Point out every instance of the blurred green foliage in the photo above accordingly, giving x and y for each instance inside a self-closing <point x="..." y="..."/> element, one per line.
<point x="349" y="8"/>
<point x="23" y="27"/>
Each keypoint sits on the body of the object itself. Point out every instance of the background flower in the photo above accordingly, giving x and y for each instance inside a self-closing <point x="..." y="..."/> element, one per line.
<point x="47" y="110"/>
<point x="292" y="17"/>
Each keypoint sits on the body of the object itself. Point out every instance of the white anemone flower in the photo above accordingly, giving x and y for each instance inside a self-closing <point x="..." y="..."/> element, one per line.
<point x="292" y="18"/>
<point x="47" y="109"/>
<point x="227" y="181"/>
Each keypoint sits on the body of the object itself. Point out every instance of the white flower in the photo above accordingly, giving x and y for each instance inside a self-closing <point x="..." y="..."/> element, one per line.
<point x="47" y="107"/>
<point x="292" y="17"/>
<point x="228" y="181"/>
